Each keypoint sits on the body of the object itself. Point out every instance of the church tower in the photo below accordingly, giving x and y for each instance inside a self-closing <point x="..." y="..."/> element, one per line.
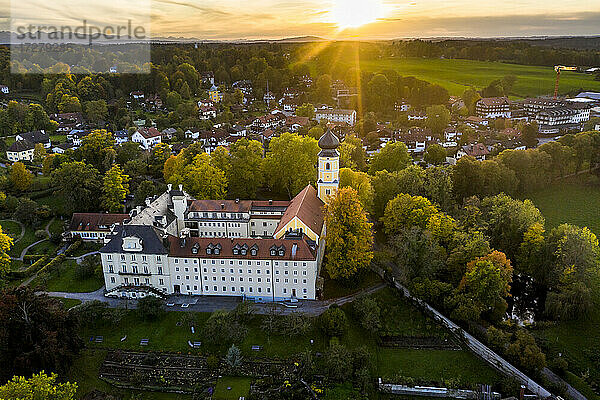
<point x="329" y="166"/>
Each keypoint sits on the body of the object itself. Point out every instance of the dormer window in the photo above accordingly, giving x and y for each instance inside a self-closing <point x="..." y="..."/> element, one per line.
<point x="273" y="252"/>
<point x="235" y="252"/>
<point x="208" y="250"/>
<point x="253" y="252"/>
<point x="243" y="252"/>
<point x="217" y="251"/>
<point x="281" y="253"/>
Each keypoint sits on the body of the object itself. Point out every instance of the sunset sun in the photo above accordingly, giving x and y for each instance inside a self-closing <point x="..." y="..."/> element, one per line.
<point x="355" y="13"/>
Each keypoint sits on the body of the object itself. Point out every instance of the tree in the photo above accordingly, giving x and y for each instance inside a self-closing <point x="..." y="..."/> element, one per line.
<point x="20" y="177"/>
<point x="79" y="184"/>
<point x="144" y="190"/>
<point x="352" y="154"/>
<point x="416" y="253"/>
<point x="487" y="282"/>
<point x="438" y="118"/>
<point x="315" y="132"/>
<point x="333" y="321"/>
<point x="39" y="386"/>
<point x="26" y="212"/>
<point x="36" y="333"/>
<point x="338" y="363"/>
<point x="6" y="243"/>
<point x="222" y="327"/>
<point x="529" y="135"/>
<point x="349" y="238"/>
<point x="435" y="154"/>
<point x="406" y="211"/>
<point x="150" y="308"/>
<point x="526" y="352"/>
<point x="39" y="153"/>
<point x="97" y="149"/>
<point x="470" y="97"/>
<point x="96" y="111"/>
<point x="234" y="358"/>
<point x="368" y="312"/>
<point x="361" y="182"/>
<point x="201" y="179"/>
<point x="306" y="110"/>
<point x="245" y="176"/>
<point x="290" y="163"/>
<point x="115" y="188"/>
<point x="393" y="157"/>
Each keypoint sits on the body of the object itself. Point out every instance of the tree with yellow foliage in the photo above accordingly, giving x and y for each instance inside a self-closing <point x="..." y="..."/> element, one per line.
<point x="20" y="177"/>
<point x="39" y="386"/>
<point x="349" y="237"/>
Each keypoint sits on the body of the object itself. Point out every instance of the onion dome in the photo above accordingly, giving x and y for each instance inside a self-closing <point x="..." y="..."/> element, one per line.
<point x="329" y="141"/>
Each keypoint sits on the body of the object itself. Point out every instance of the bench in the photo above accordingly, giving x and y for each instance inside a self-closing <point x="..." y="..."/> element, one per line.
<point x="144" y="342"/>
<point x="257" y="348"/>
<point x="99" y="339"/>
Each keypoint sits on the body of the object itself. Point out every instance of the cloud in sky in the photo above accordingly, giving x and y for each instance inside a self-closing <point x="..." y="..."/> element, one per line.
<point x="257" y="19"/>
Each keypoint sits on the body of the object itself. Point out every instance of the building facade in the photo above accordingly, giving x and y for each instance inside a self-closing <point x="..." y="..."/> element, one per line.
<point x="493" y="107"/>
<point x="346" y="116"/>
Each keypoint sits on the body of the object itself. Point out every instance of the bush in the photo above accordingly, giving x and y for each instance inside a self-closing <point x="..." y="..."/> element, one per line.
<point x="32" y="269"/>
<point x="368" y="312"/>
<point x="74" y="246"/>
<point x="40" y="234"/>
<point x="334" y="322"/>
<point x="150" y="308"/>
<point x="56" y="261"/>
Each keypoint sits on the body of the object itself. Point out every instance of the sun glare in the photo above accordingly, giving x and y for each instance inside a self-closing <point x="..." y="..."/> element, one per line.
<point x="355" y="13"/>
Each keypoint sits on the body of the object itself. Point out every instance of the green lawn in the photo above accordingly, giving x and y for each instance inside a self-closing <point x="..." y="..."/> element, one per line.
<point x="64" y="280"/>
<point x="27" y="239"/>
<point x="333" y="289"/>
<point x="231" y="388"/>
<point x="56" y="202"/>
<point x="86" y="247"/>
<point x="11" y="228"/>
<point x="69" y="303"/>
<point x="457" y="75"/>
<point x="575" y="203"/>
<point x="45" y="247"/>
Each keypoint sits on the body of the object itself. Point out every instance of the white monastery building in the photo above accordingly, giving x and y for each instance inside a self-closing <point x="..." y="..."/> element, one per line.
<point x="260" y="250"/>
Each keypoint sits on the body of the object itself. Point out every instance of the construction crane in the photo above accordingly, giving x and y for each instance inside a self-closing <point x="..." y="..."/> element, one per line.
<point x="558" y="69"/>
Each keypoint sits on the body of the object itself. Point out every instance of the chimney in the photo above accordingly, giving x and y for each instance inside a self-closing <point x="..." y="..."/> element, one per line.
<point x="294" y="250"/>
<point x="222" y="206"/>
<point x="181" y="188"/>
<point x="270" y="202"/>
<point x="169" y="187"/>
<point x="148" y="201"/>
<point x="237" y="201"/>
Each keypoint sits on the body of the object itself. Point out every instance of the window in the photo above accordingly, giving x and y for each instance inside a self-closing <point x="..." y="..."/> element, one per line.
<point x="112" y="279"/>
<point x="215" y="288"/>
<point x="124" y="268"/>
<point x="160" y="271"/>
<point x="161" y="282"/>
<point x="144" y="258"/>
<point x="110" y="269"/>
<point x="327" y="166"/>
<point x="109" y="257"/>
<point x="123" y="257"/>
<point x="145" y="269"/>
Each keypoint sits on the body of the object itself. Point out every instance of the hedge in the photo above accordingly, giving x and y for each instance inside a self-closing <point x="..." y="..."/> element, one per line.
<point x="33" y="256"/>
<point x="74" y="246"/>
<point x="41" y="193"/>
<point x="56" y="261"/>
<point x="32" y="269"/>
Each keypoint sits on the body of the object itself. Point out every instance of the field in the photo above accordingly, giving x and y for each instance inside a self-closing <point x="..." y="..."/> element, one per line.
<point x="575" y="202"/>
<point x="457" y="75"/>
<point x="238" y="387"/>
<point x="64" y="280"/>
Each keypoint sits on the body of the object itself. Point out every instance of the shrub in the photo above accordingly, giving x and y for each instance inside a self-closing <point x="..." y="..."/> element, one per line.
<point x="74" y="246"/>
<point x="40" y="234"/>
<point x="32" y="269"/>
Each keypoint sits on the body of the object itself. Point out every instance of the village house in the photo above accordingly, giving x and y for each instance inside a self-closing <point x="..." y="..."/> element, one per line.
<point x="137" y="95"/>
<point x="274" y="120"/>
<point x="493" y="107"/>
<point x="21" y="150"/>
<point x="121" y="137"/>
<point x="4" y="89"/>
<point x="67" y="121"/>
<point x="401" y="106"/>
<point x="207" y="112"/>
<point x="238" y="131"/>
<point x="476" y="122"/>
<point x="76" y="135"/>
<point x="168" y="133"/>
<point x="478" y="150"/>
<point x="215" y="95"/>
<point x="294" y="123"/>
<point x="416" y="115"/>
<point x="35" y="137"/>
<point x="61" y="148"/>
<point x="146" y="137"/>
<point x="416" y="139"/>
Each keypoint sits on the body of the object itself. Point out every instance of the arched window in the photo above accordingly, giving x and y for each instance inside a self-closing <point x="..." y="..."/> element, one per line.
<point x="327" y="166"/>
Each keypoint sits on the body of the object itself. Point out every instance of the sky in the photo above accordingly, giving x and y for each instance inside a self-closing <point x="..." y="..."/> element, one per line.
<point x="331" y="19"/>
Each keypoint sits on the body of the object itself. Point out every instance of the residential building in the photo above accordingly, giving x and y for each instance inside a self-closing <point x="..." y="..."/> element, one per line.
<point x="207" y="112"/>
<point x="294" y="123"/>
<point x="416" y="115"/>
<point x="566" y="118"/>
<point x="21" y="150"/>
<point x="121" y="137"/>
<point x="493" y="107"/>
<point x="478" y="150"/>
<point x="4" y="89"/>
<point x="533" y="106"/>
<point x="401" y="106"/>
<point x="147" y="137"/>
<point x="35" y="137"/>
<point x="337" y="115"/>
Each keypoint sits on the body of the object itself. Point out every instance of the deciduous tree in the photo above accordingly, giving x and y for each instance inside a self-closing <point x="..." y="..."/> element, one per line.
<point x="115" y="188"/>
<point x="349" y="237"/>
<point x="20" y="177"/>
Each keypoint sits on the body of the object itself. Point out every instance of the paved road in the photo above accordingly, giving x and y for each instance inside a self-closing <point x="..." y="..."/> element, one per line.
<point x="213" y="303"/>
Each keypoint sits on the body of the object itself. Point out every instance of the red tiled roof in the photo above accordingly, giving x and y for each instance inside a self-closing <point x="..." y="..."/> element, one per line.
<point x="149" y="132"/>
<point x="303" y="252"/>
<point x="307" y="207"/>
<point x="93" y="221"/>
